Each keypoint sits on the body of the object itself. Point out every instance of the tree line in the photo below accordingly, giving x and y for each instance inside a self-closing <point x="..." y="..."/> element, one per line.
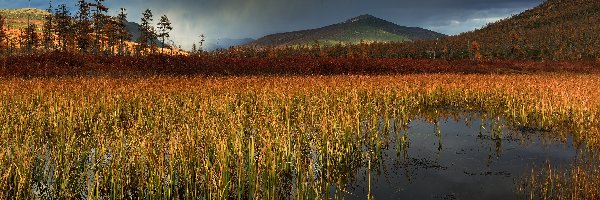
<point x="91" y="30"/>
<point x="555" y="30"/>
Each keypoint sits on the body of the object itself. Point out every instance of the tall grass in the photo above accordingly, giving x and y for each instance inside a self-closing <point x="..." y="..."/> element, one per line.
<point x="579" y="181"/>
<point x="246" y="138"/>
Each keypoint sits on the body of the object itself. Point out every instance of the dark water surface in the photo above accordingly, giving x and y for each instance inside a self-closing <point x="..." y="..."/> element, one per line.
<point x="460" y="159"/>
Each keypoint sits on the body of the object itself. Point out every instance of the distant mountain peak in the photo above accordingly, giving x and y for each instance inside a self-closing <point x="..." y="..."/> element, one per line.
<point x="363" y="28"/>
<point x="365" y="17"/>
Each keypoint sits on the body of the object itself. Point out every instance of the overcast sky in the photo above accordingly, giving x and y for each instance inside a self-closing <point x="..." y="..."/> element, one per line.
<point x="256" y="18"/>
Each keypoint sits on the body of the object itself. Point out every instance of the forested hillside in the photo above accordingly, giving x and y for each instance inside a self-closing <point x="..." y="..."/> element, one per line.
<point x="554" y="30"/>
<point x="558" y="29"/>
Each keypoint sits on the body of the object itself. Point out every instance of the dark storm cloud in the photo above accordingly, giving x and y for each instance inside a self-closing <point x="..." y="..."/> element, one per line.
<point x="255" y="18"/>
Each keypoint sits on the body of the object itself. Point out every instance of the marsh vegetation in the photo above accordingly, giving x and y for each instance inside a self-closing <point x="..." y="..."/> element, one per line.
<point x="282" y="137"/>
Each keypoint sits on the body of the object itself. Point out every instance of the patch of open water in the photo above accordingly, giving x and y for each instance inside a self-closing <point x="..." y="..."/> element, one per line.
<point x="456" y="159"/>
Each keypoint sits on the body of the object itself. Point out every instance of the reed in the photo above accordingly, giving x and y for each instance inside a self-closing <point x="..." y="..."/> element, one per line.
<point x="579" y="181"/>
<point x="248" y="137"/>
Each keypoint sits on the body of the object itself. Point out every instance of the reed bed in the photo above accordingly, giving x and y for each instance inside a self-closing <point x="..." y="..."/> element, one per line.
<point x="579" y="181"/>
<point x="248" y="137"/>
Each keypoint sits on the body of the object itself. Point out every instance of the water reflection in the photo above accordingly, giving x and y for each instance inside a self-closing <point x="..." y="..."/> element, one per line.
<point x="464" y="156"/>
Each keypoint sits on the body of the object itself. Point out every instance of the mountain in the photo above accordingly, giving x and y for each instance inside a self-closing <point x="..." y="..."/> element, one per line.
<point x="365" y="28"/>
<point x="224" y="43"/>
<point x="17" y="18"/>
<point x="23" y="13"/>
<point x="134" y="29"/>
<point x="555" y="29"/>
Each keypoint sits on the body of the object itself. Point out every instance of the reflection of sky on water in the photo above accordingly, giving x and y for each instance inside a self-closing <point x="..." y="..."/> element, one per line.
<point x="469" y="165"/>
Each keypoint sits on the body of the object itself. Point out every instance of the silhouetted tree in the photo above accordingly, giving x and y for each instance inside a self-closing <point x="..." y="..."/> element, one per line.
<point x="83" y="26"/>
<point x="123" y="34"/>
<point x="147" y="32"/>
<point x="194" y="48"/>
<point x="202" y="40"/>
<point x="100" y="21"/>
<point x="111" y="36"/>
<point x="164" y="26"/>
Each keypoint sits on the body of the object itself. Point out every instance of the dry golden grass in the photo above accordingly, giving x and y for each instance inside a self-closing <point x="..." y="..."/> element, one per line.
<point x="246" y="137"/>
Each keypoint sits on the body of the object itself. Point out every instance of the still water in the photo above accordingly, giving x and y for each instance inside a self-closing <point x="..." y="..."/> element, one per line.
<point x="459" y="159"/>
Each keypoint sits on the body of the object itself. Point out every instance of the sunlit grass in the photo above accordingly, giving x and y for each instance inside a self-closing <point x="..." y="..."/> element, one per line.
<point x="247" y="137"/>
<point x="581" y="180"/>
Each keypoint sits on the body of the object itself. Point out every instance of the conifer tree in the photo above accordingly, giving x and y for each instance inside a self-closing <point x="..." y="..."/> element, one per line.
<point x="48" y="30"/>
<point x="63" y="26"/>
<point x="202" y="40"/>
<point x="123" y="35"/>
<point x="164" y="26"/>
<point x="84" y="26"/>
<point x="100" y="21"/>
<point x="110" y="35"/>
<point x="147" y="32"/>
<point x="30" y="37"/>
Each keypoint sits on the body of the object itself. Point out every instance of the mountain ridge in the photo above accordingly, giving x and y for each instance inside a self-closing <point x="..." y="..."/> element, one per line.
<point x="363" y="28"/>
<point x="225" y="43"/>
<point x="556" y="29"/>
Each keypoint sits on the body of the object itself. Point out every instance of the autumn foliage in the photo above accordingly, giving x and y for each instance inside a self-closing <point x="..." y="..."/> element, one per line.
<point x="557" y="36"/>
<point x="74" y="64"/>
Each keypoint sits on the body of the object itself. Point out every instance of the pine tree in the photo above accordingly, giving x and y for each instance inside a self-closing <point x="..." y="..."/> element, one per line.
<point x="164" y="26"/>
<point x="84" y="26"/>
<point x="64" y="26"/>
<point x="30" y="37"/>
<point x="202" y="40"/>
<point x="123" y="35"/>
<point x="111" y="36"/>
<point x="147" y="33"/>
<point x="100" y="21"/>
<point x="48" y="29"/>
